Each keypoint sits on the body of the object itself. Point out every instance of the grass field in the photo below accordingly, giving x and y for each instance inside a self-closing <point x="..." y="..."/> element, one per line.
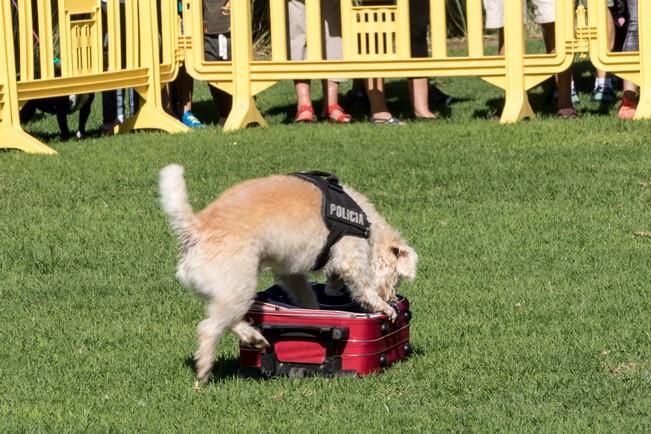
<point x="531" y="306"/>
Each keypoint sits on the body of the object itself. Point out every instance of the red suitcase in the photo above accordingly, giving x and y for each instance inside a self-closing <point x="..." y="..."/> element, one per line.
<point x="339" y="339"/>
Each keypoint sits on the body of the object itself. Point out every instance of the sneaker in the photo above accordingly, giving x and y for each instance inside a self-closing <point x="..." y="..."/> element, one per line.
<point x="603" y="94"/>
<point x="191" y="121"/>
<point x="627" y="107"/>
<point x="110" y="128"/>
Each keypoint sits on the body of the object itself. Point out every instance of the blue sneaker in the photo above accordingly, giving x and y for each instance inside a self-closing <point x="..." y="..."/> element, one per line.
<point x="191" y="121"/>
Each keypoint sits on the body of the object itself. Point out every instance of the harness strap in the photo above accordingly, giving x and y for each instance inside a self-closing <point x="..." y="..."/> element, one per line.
<point x="341" y="214"/>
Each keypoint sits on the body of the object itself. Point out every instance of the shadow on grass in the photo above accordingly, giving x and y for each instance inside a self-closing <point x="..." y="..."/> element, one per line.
<point x="223" y="368"/>
<point x="228" y="368"/>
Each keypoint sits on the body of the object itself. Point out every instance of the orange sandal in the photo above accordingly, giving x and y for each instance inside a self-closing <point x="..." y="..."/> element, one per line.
<point x="305" y="114"/>
<point x="337" y="114"/>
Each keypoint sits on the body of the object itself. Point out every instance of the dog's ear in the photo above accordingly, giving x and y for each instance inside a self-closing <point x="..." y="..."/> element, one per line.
<point x="406" y="260"/>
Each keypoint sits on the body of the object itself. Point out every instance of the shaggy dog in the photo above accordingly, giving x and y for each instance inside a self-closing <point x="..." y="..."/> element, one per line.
<point x="274" y="223"/>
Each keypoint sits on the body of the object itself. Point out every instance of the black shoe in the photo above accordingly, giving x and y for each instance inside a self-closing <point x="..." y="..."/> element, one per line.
<point x="438" y="98"/>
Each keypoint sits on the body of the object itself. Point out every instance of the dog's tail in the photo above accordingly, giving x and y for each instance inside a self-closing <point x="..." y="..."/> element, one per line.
<point x="174" y="201"/>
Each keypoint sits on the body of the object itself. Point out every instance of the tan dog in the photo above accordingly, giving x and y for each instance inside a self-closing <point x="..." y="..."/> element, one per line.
<point x="274" y="223"/>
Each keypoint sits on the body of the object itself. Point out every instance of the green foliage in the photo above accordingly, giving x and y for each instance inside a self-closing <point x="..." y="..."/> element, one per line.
<point x="530" y="307"/>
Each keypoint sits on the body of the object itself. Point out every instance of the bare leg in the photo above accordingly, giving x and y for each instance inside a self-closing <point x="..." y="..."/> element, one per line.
<point x="331" y="109"/>
<point x="563" y="79"/>
<point x="419" y="97"/>
<point x="375" y="93"/>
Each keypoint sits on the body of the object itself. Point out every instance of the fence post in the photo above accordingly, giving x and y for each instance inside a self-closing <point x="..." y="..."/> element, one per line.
<point x="516" y="106"/>
<point x="244" y="111"/>
<point x="643" y="110"/>
<point x="11" y="134"/>
<point x="151" y="114"/>
<point x="313" y="29"/>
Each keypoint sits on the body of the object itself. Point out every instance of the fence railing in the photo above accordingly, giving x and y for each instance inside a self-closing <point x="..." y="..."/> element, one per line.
<point x="139" y="53"/>
<point x="376" y="43"/>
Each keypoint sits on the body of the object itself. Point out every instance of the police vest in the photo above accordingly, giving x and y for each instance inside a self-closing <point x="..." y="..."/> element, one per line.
<point x="341" y="214"/>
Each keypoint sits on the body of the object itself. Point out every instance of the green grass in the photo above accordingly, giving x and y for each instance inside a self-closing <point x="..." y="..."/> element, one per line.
<point x="531" y="306"/>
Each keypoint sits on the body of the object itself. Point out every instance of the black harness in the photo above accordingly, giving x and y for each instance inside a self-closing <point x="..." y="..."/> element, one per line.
<point x="341" y="214"/>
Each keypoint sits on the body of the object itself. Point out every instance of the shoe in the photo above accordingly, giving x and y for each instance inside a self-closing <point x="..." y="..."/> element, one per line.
<point x="389" y="121"/>
<point x="603" y="94"/>
<point x="567" y="113"/>
<point x="438" y="98"/>
<point x="435" y="117"/>
<point x="627" y="107"/>
<point x="337" y="114"/>
<point x="190" y="120"/>
<point x="305" y="114"/>
<point x="110" y="128"/>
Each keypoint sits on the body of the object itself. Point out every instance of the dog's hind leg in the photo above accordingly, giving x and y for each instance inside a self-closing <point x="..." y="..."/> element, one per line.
<point x="299" y="290"/>
<point x="249" y="335"/>
<point x="228" y="304"/>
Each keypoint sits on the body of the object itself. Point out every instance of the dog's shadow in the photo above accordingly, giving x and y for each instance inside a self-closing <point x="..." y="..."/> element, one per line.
<point x="223" y="368"/>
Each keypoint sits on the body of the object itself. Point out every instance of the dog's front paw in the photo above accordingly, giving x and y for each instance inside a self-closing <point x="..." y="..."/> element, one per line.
<point x="390" y="312"/>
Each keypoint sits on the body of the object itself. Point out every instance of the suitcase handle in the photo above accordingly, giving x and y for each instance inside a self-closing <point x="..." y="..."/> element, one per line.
<point x="329" y="336"/>
<point x="300" y="331"/>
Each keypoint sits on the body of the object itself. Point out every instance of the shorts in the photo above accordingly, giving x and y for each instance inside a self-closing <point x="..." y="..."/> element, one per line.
<point x="544" y="12"/>
<point x="331" y="22"/>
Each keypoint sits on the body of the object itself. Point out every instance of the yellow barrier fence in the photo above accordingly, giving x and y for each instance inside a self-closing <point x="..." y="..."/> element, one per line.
<point x="244" y="76"/>
<point x="376" y="43"/>
<point x="150" y="58"/>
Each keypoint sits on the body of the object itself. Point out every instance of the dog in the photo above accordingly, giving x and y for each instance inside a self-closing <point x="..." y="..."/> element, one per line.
<point x="61" y="106"/>
<point x="275" y="223"/>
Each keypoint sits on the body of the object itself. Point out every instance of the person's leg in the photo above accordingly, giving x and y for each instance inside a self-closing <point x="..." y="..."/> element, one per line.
<point x="183" y="87"/>
<point x="563" y="79"/>
<point x="331" y="21"/>
<point x="297" y="51"/>
<point x="419" y="86"/>
<point x="603" y="88"/>
<point x="331" y="108"/>
<point x="304" y="110"/>
<point x="631" y="43"/>
<point x="380" y="114"/>
<point x="217" y="48"/>
<point x="419" y="97"/>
